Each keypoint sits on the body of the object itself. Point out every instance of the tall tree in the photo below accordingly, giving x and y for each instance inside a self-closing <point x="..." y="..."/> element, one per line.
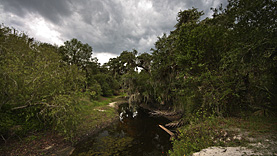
<point x="75" y="52"/>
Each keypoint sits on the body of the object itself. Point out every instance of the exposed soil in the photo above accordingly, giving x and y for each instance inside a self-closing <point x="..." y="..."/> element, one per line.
<point x="225" y="151"/>
<point x="46" y="143"/>
<point x="36" y="144"/>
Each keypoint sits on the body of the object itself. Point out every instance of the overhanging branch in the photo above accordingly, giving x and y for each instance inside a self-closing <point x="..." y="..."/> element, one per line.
<point x="30" y="105"/>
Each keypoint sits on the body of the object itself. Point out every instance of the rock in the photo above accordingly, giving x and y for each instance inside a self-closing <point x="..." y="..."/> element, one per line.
<point x="228" y="139"/>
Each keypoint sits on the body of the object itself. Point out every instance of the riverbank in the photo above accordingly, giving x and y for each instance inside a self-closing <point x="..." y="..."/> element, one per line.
<point x="227" y="136"/>
<point x="95" y="115"/>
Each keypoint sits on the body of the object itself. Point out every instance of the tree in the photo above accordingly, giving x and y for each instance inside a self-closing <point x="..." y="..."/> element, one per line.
<point x="36" y="90"/>
<point x="252" y="56"/>
<point x="224" y="65"/>
<point x="190" y="16"/>
<point x="144" y="61"/>
<point x="75" y="52"/>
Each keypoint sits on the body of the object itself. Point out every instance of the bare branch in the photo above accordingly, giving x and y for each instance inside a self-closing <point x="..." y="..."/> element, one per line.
<point x="39" y="103"/>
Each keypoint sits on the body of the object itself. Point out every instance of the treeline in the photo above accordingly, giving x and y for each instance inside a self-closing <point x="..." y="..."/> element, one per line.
<point x="223" y="66"/>
<point x="41" y="84"/>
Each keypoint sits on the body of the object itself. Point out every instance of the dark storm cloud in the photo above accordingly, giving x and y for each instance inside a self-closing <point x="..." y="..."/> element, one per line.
<point x="108" y="25"/>
<point x="53" y="10"/>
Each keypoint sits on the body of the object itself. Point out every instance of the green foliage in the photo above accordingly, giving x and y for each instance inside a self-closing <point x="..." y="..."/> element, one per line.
<point x="41" y="84"/>
<point x="95" y="90"/>
<point x="6" y="122"/>
<point x="37" y="90"/>
<point x="123" y="64"/>
<point x="188" y="17"/>
<point x="193" y="138"/>
<point x="75" y="52"/>
<point x="63" y="114"/>
<point x="107" y="83"/>
<point x="225" y="65"/>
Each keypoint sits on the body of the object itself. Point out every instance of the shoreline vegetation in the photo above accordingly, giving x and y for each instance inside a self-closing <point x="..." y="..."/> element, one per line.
<point x="249" y="135"/>
<point x="95" y="116"/>
<point x="216" y="76"/>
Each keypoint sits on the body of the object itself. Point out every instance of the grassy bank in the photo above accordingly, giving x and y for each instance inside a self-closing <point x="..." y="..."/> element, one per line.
<point x="96" y="115"/>
<point x="256" y="133"/>
<point x="92" y="117"/>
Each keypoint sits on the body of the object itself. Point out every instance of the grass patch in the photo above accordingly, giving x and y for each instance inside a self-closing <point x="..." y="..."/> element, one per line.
<point x="254" y="125"/>
<point x="93" y="114"/>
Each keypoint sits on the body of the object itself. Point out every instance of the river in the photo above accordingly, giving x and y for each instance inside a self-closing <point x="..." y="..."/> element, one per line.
<point x="135" y="134"/>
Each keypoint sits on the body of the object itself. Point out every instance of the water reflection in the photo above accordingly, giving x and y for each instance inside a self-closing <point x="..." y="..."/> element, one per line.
<point x="134" y="134"/>
<point x="126" y="112"/>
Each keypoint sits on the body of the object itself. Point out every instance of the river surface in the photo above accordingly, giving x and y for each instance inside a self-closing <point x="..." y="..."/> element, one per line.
<point x="135" y="134"/>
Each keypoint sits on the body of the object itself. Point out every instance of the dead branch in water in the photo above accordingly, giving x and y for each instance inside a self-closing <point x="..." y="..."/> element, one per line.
<point x="168" y="131"/>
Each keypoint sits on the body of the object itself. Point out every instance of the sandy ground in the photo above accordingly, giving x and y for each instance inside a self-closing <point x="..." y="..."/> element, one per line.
<point x="225" y="151"/>
<point x="261" y="145"/>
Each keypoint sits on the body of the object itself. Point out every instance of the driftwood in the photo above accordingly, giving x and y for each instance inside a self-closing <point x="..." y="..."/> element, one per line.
<point x="168" y="131"/>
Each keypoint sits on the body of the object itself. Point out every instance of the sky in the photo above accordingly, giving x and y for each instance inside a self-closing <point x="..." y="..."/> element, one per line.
<point x="108" y="26"/>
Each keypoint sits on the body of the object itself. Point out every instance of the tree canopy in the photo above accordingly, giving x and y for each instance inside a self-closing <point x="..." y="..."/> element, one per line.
<point x="225" y="65"/>
<point x="75" y="52"/>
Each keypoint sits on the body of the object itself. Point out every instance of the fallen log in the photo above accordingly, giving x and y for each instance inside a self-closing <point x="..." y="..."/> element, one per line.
<point x="163" y="113"/>
<point x="169" y="115"/>
<point x="168" y="131"/>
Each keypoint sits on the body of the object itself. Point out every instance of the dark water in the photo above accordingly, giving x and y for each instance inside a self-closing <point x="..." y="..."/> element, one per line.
<point x="135" y="134"/>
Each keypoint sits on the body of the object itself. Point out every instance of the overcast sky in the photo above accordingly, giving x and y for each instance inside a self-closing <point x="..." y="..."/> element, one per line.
<point x="109" y="26"/>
